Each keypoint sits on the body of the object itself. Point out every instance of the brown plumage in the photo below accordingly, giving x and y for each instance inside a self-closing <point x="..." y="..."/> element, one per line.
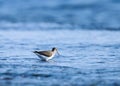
<point x="46" y="55"/>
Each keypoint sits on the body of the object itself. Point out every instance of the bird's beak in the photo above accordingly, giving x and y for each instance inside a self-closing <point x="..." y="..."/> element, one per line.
<point x="58" y="52"/>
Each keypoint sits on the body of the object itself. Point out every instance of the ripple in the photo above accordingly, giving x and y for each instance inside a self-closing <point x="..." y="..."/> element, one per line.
<point x="41" y="75"/>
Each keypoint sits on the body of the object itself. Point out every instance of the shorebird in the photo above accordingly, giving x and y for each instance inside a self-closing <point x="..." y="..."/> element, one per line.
<point x="46" y="55"/>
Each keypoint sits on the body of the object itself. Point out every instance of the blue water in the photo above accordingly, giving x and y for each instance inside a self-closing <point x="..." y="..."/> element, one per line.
<point x="89" y="58"/>
<point x="60" y="14"/>
<point x="86" y="34"/>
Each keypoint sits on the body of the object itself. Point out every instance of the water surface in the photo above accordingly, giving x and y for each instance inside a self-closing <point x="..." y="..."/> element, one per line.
<point x="89" y="58"/>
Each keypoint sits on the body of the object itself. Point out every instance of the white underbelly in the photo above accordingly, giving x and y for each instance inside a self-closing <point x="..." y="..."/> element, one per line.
<point x="44" y="57"/>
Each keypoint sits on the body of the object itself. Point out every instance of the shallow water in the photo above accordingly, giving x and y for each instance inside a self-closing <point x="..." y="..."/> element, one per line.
<point x="89" y="58"/>
<point x="85" y="33"/>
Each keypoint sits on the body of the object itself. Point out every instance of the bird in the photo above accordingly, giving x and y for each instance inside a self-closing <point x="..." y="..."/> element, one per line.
<point x="46" y="55"/>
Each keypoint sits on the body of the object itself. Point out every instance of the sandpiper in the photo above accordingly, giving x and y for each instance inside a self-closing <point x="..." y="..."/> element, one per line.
<point x="46" y="55"/>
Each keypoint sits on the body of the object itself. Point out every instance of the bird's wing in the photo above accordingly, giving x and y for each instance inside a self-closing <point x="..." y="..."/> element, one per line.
<point x="45" y="53"/>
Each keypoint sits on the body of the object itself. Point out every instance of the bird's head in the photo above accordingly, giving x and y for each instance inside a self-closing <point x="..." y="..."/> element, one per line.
<point x="54" y="49"/>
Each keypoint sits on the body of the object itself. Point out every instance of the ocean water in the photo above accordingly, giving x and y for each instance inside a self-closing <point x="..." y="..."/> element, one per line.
<point x="86" y="34"/>
<point x="69" y="14"/>
<point x="88" y="58"/>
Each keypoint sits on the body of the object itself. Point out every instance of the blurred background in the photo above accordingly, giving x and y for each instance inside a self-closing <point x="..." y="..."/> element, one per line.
<point x="86" y="33"/>
<point x="60" y="14"/>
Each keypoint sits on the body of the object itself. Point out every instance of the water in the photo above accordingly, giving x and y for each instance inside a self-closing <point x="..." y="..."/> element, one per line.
<point x="86" y="34"/>
<point x="70" y="14"/>
<point x="89" y="58"/>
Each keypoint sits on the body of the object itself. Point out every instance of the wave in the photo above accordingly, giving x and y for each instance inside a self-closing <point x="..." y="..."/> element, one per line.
<point x="51" y="26"/>
<point x="57" y="14"/>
